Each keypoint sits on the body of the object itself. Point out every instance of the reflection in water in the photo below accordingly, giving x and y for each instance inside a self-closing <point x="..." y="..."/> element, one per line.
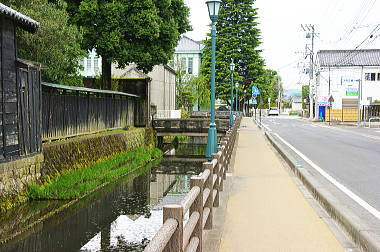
<point x="122" y="217"/>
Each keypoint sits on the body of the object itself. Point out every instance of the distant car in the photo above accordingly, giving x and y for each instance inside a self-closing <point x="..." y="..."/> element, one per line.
<point x="222" y="108"/>
<point x="273" y="112"/>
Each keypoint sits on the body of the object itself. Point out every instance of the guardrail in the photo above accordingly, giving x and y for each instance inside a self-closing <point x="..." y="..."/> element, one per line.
<point x="174" y="235"/>
<point x="372" y="118"/>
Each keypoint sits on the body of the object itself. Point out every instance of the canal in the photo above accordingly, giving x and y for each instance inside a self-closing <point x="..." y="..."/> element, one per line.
<point x="123" y="216"/>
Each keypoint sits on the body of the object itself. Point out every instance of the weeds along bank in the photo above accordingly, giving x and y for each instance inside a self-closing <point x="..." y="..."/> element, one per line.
<point x="77" y="166"/>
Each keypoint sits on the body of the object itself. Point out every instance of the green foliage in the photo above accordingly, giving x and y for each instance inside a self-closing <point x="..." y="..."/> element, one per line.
<point x="180" y="139"/>
<point x="74" y="184"/>
<point x="267" y="83"/>
<point x="305" y="95"/>
<point x="203" y="91"/>
<point x="286" y="103"/>
<point x="190" y="89"/>
<point x="186" y="91"/>
<point x="185" y="114"/>
<point x="124" y="31"/>
<point x="238" y="38"/>
<point x="56" y="44"/>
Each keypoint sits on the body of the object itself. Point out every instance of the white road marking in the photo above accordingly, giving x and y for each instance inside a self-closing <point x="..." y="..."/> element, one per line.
<point x="266" y="127"/>
<point x="327" y="176"/>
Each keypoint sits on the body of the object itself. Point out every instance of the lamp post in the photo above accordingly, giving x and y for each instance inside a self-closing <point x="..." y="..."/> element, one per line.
<point x="212" y="141"/>
<point x="232" y="68"/>
<point x="237" y="99"/>
<point x="244" y="101"/>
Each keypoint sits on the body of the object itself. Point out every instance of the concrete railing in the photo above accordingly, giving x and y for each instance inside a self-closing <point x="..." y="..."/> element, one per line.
<point x="174" y="235"/>
<point x="168" y="114"/>
<point x="371" y="119"/>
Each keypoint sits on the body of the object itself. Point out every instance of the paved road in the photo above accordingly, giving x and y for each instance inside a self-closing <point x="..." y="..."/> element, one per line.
<point x="350" y="155"/>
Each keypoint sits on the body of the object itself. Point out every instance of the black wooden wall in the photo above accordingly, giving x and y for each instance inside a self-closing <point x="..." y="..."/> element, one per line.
<point x="9" y="137"/>
<point x="20" y="94"/>
<point x="29" y="109"/>
<point x="70" y="113"/>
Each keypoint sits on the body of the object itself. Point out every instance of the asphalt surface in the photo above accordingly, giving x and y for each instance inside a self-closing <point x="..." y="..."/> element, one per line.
<point x="350" y="155"/>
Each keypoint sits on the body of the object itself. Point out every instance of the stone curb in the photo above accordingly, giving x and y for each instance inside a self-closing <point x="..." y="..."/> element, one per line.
<point x="361" y="236"/>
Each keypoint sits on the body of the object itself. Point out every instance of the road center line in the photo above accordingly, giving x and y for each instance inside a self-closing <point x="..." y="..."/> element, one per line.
<point x="327" y="176"/>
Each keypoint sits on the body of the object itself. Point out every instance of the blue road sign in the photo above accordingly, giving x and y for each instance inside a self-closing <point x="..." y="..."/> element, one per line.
<point x="255" y="90"/>
<point x="254" y="101"/>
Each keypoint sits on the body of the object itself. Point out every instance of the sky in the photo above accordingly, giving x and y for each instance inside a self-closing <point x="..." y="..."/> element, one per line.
<point x="340" y="24"/>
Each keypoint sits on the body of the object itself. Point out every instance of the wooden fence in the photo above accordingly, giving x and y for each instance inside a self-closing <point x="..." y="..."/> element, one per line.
<point x="174" y="235"/>
<point x="72" y="111"/>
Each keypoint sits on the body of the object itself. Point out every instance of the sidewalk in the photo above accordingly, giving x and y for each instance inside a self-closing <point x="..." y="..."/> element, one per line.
<point x="265" y="210"/>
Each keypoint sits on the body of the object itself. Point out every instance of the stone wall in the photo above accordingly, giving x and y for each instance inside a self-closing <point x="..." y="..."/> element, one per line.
<point x="15" y="176"/>
<point x="80" y="153"/>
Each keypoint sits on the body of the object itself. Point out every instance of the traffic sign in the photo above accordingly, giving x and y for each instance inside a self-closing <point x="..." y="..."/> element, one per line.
<point x="254" y="101"/>
<point x="254" y="96"/>
<point x="331" y="99"/>
<point x="255" y="90"/>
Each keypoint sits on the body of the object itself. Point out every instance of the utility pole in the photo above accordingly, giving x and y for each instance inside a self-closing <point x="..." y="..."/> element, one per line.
<point x="279" y="93"/>
<point x="310" y="33"/>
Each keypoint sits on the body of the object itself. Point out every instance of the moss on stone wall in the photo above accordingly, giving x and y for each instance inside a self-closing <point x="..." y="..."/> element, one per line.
<point x="68" y="156"/>
<point x="15" y="177"/>
<point x="79" y="153"/>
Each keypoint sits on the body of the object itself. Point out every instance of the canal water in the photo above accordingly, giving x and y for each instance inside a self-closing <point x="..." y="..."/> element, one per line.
<point x="123" y="216"/>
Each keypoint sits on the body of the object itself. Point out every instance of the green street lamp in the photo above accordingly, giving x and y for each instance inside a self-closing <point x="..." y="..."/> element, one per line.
<point x="237" y="99"/>
<point x="212" y="138"/>
<point x="232" y="68"/>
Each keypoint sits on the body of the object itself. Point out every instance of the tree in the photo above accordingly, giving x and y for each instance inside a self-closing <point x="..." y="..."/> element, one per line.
<point x="238" y="38"/>
<point x="267" y="83"/>
<point x="124" y="31"/>
<point x="56" y="43"/>
<point x="186" y="90"/>
<point x="305" y="96"/>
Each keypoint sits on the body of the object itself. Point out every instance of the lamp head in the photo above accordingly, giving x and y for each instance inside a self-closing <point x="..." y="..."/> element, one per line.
<point x="237" y="85"/>
<point x="232" y="66"/>
<point x="213" y="9"/>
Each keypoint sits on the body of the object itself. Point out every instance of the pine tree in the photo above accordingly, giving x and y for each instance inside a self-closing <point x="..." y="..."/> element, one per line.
<point x="238" y="38"/>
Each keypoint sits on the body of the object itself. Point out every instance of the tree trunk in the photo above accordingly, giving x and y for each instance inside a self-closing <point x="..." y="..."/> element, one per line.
<point x="106" y="73"/>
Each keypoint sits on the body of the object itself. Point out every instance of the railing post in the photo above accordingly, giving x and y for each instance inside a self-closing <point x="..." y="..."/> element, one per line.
<point x="209" y="203"/>
<point x="175" y="244"/>
<point x="217" y="172"/>
<point x="197" y="206"/>
<point x="222" y="166"/>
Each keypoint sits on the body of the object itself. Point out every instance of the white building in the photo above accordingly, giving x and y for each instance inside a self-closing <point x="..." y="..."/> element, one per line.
<point x="162" y="86"/>
<point x="339" y="73"/>
<point x="92" y="65"/>
<point x="187" y="56"/>
<point x="297" y="104"/>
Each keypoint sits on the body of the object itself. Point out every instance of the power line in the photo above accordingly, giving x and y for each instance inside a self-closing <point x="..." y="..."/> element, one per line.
<point x="357" y="47"/>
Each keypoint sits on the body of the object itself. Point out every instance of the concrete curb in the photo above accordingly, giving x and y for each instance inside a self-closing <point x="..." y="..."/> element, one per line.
<point x="362" y="237"/>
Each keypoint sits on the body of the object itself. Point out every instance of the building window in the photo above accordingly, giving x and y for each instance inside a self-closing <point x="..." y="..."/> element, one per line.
<point x="96" y="64"/>
<point x="378" y="76"/>
<point x="88" y="63"/>
<point x="183" y="64"/>
<point x="370" y="76"/>
<point x="190" y="66"/>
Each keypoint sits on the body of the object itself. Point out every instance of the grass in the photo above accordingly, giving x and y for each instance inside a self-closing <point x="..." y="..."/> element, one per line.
<point x="72" y="185"/>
